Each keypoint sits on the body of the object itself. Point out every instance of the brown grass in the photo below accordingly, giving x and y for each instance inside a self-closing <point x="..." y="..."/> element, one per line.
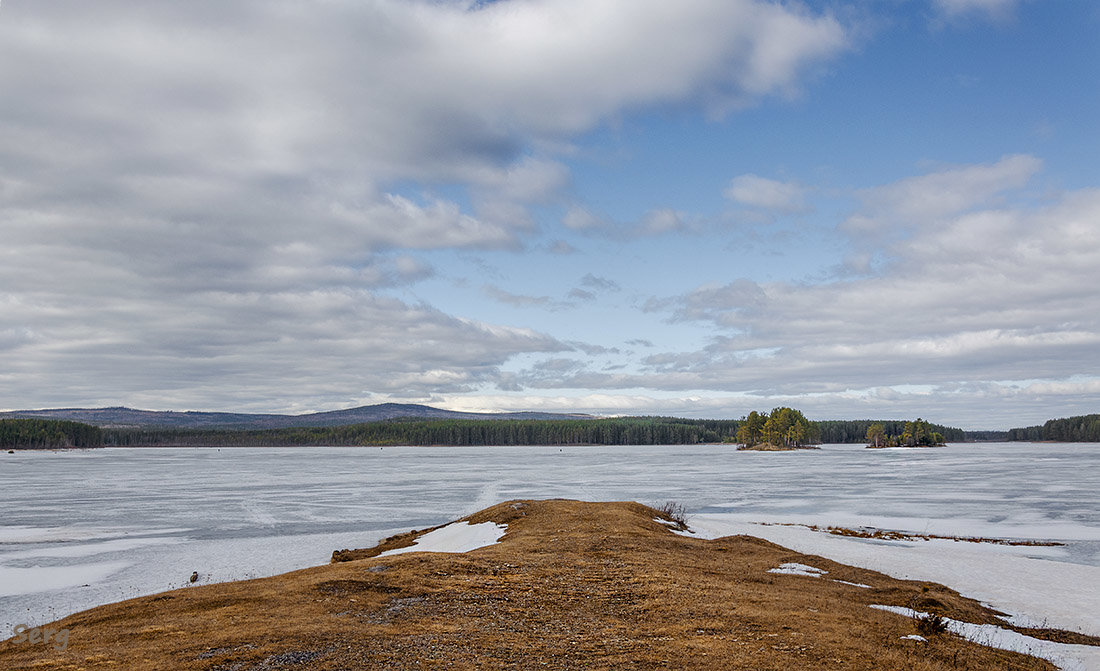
<point x="572" y="585"/>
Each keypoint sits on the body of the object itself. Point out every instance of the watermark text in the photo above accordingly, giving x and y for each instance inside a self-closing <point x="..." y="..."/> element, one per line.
<point x="43" y="635"/>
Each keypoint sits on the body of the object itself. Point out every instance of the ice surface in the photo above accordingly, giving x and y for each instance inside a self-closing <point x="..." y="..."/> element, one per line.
<point x="17" y="581"/>
<point x="1064" y="656"/>
<point x="794" y="568"/>
<point x="240" y="513"/>
<point x="455" y="537"/>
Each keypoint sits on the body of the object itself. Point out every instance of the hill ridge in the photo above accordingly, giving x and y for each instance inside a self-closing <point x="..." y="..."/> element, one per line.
<point x="124" y="417"/>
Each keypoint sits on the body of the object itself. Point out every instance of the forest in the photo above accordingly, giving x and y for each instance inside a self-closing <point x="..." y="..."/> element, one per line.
<point x="1080" y="429"/>
<point x="47" y="434"/>
<point x="617" y="431"/>
<point x="787" y="426"/>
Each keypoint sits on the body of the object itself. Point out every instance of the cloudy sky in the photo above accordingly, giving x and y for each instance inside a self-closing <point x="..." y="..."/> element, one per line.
<point x="861" y="208"/>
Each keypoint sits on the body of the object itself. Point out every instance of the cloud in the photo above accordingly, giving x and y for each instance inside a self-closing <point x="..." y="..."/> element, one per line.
<point x="522" y="301"/>
<point x="767" y="194"/>
<point x="651" y="224"/>
<point x="929" y="199"/>
<point x="599" y="283"/>
<point x="986" y="296"/>
<point x="994" y="9"/>
<point x="201" y="201"/>
<point x="580" y="219"/>
<point x="712" y="302"/>
<point x="245" y="350"/>
<point x="658" y="222"/>
<point x="561" y="247"/>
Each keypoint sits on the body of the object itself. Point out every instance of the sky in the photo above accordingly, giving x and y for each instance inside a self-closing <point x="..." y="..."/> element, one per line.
<point x="860" y="209"/>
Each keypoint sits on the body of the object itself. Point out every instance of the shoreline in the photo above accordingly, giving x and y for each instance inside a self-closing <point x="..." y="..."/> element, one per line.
<point x="599" y="584"/>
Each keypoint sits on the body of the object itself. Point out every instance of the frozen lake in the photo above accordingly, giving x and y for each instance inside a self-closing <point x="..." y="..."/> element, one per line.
<point x="82" y="528"/>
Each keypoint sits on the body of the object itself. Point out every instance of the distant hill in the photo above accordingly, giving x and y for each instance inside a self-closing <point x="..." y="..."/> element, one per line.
<point x="130" y="418"/>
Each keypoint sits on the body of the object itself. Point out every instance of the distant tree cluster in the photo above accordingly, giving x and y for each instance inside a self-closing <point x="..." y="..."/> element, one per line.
<point x="783" y="427"/>
<point x="855" y="431"/>
<point x="1080" y="429"/>
<point x="917" y="433"/>
<point x="47" y="433"/>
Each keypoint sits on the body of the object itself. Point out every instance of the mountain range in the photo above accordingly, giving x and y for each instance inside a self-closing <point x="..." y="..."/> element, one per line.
<point x="120" y="417"/>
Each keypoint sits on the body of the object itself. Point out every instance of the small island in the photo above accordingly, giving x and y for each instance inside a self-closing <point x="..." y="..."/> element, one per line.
<point x="784" y="429"/>
<point x="917" y="433"/>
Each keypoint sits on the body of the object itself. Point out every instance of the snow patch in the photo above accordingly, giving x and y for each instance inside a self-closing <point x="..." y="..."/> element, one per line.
<point x="1063" y="655"/>
<point x="794" y="568"/>
<point x="914" y="637"/>
<point x="1033" y="590"/>
<point x="455" y="537"/>
<point x="853" y="584"/>
<point x="674" y="527"/>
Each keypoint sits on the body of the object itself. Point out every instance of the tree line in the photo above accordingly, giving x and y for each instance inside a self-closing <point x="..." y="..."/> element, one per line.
<point x="616" y="431"/>
<point x="23" y="434"/>
<point x="787" y="427"/>
<point x="1080" y="429"/>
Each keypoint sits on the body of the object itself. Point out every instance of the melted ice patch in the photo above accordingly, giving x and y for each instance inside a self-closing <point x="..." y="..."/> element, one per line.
<point x="455" y="537"/>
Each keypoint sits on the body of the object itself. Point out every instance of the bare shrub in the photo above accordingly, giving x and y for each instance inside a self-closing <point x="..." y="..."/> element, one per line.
<point x="674" y="512"/>
<point x="930" y="624"/>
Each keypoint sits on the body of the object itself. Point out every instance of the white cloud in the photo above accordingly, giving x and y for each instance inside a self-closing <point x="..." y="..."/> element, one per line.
<point x="995" y="9"/>
<point x="203" y="197"/>
<point x="986" y="294"/>
<point x="580" y="219"/>
<point x="928" y="199"/>
<point x="768" y="194"/>
<point x="659" y="222"/>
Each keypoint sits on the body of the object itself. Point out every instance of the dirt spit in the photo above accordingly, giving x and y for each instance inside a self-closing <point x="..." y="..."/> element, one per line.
<point x="571" y="585"/>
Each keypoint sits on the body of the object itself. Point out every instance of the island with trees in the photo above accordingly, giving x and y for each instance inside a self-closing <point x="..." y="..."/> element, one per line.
<point x="783" y="429"/>
<point x="917" y="433"/>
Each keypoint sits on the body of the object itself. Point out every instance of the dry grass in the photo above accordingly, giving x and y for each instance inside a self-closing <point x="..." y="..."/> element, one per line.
<point x="572" y="585"/>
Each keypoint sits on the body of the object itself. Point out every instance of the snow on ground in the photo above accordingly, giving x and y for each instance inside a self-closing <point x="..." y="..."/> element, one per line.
<point x="794" y="568"/>
<point x="455" y="537"/>
<point x="854" y="584"/>
<point x="1038" y="592"/>
<point x="1064" y="656"/>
